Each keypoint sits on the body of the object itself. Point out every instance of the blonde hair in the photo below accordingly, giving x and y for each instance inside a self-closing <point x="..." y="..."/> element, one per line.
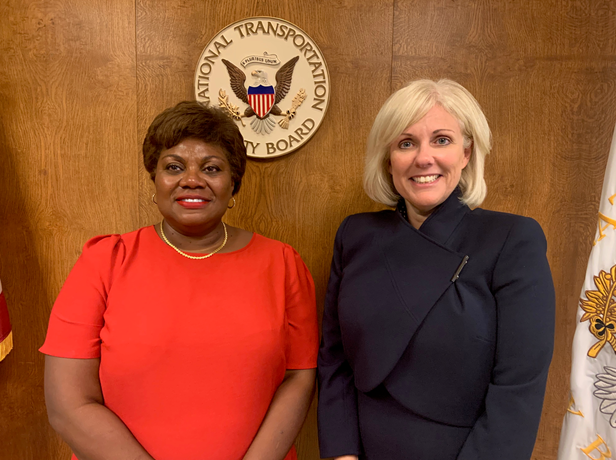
<point x="406" y="107"/>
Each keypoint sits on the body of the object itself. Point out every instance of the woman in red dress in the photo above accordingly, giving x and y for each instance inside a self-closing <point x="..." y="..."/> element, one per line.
<point x="189" y="339"/>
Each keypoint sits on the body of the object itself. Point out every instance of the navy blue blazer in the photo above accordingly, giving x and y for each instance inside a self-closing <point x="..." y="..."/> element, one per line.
<point x="463" y="345"/>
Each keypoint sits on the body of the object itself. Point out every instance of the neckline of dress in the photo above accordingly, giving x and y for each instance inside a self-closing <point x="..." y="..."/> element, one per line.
<point x="155" y="235"/>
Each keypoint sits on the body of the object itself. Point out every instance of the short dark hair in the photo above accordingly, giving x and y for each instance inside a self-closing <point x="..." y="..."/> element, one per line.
<point x="191" y="119"/>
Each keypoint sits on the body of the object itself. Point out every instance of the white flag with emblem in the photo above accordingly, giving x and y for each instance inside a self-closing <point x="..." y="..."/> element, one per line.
<point x="589" y="427"/>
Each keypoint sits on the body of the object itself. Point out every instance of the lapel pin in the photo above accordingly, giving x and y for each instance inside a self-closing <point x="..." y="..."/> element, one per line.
<point x="456" y="275"/>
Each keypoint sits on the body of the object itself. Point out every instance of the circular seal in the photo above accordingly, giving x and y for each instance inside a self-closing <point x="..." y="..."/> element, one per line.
<point x="271" y="77"/>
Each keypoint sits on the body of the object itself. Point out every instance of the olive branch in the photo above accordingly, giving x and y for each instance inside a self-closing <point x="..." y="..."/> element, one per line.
<point x="290" y="114"/>
<point x="232" y="110"/>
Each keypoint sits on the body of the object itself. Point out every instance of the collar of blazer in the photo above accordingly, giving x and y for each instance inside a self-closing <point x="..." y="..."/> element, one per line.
<point x="441" y="224"/>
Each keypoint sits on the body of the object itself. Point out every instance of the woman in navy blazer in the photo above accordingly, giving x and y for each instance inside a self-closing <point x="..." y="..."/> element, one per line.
<point x="439" y="316"/>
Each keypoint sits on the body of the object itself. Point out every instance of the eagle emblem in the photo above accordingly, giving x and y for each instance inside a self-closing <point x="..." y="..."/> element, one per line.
<point x="600" y="310"/>
<point x="262" y="98"/>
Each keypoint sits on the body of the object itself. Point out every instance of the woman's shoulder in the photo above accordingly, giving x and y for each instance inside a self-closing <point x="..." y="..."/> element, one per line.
<point x="507" y="224"/>
<point x="376" y="218"/>
<point x="115" y="244"/>
<point x="113" y="239"/>
<point x="278" y="252"/>
<point x="263" y="243"/>
<point x="365" y="224"/>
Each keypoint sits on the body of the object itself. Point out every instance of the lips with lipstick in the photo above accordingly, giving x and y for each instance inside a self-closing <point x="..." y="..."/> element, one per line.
<point x="425" y="179"/>
<point x="192" y="201"/>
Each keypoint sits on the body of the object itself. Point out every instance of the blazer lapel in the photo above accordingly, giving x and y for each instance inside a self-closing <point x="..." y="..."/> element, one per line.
<point x="383" y="308"/>
<point x="442" y="223"/>
<point x="421" y="270"/>
<point x="420" y="264"/>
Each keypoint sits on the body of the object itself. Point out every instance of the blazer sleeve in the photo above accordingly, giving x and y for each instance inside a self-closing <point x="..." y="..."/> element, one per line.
<point x="337" y="407"/>
<point x="524" y="292"/>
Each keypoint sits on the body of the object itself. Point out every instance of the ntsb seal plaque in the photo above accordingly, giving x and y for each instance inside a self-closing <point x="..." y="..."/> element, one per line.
<point x="271" y="77"/>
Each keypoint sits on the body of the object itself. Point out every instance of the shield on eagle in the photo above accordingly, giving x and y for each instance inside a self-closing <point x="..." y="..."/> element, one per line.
<point x="261" y="99"/>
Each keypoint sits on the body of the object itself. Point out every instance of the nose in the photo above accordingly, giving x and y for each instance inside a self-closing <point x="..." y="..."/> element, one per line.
<point x="425" y="157"/>
<point x="192" y="178"/>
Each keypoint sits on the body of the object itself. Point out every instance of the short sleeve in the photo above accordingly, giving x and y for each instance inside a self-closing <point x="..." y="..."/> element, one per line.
<point x="77" y="315"/>
<point x="302" y="340"/>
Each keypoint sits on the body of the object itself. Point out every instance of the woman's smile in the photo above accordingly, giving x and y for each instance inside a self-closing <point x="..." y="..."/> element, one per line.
<point x="192" y="201"/>
<point x="426" y="180"/>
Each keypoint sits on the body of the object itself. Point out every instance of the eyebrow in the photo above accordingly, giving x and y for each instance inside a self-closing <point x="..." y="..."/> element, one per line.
<point x="436" y="131"/>
<point x="443" y="129"/>
<point x="179" y="158"/>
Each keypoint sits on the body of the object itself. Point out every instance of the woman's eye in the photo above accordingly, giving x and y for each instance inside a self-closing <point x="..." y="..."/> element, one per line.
<point x="212" y="168"/>
<point x="174" y="167"/>
<point x="405" y="144"/>
<point x="443" y="141"/>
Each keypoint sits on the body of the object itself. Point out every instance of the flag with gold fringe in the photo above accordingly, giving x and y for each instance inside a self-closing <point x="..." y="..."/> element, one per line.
<point x="6" y="335"/>
<point x="589" y="426"/>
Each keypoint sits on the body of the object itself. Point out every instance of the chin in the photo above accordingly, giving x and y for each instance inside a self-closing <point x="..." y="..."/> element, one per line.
<point x="189" y="222"/>
<point x="426" y="206"/>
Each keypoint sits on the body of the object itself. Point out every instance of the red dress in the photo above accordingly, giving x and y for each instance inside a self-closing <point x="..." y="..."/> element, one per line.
<point x="192" y="351"/>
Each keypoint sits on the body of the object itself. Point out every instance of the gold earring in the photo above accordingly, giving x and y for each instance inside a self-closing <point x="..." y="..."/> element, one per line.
<point x="234" y="203"/>
<point x="153" y="198"/>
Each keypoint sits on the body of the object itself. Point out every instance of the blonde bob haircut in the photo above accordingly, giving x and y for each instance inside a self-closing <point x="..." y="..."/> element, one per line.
<point x="406" y="107"/>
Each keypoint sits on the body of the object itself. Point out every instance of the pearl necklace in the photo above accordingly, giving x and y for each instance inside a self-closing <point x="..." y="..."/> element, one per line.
<point x="179" y="251"/>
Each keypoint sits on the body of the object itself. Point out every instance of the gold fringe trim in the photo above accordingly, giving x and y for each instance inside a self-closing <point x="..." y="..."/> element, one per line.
<point x="6" y="346"/>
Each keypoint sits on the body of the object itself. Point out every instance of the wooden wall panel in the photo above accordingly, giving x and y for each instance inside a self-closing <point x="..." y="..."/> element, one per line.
<point x="300" y="198"/>
<point x="545" y="74"/>
<point x="67" y="122"/>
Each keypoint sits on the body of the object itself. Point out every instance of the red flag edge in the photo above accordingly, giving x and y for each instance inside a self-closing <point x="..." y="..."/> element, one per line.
<point x="6" y="346"/>
<point x="6" y="334"/>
